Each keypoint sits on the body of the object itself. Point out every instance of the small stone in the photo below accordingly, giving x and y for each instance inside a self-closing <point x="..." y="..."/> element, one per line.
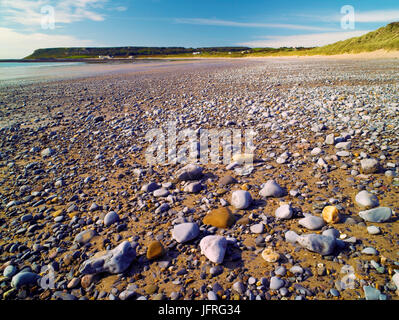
<point x="269" y="255"/>
<point x="369" y="166"/>
<point x="113" y="261"/>
<point x="185" y="232"/>
<point x="214" y="248"/>
<point x="10" y="271"/>
<point x="162" y="192"/>
<point x="276" y="283"/>
<point x="371" y="293"/>
<point x="312" y="222"/>
<point x="220" y="218"/>
<point x="239" y="287"/>
<point x="370" y="251"/>
<point x="380" y="214"/>
<point x="24" y="278"/>
<point x="85" y="236"/>
<point x="272" y="189"/>
<point x="373" y="230"/>
<point x="47" y="152"/>
<point x="257" y="228"/>
<point x="154" y="250"/>
<point x="241" y="199"/>
<point x="284" y="212"/>
<point x="317" y="243"/>
<point x="189" y="172"/>
<point x="110" y="218"/>
<point x="366" y="199"/>
<point x="226" y="180"/>
<point x="330" y="214"/>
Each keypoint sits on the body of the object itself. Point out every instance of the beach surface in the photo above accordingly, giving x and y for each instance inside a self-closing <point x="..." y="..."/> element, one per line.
<point x="81" y="206"/>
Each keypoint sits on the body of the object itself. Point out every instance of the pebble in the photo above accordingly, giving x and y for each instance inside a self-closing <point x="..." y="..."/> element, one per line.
<point x="110" y="218"/>
<point x="312" y="222"/>
<point x="272" y="189"/>
<point x="257" y="228"/>
<point x="241" y="199"/>
<point x="24" y="278"/>
<point x="380" y="214"/>
<point x="284" y="212"/>
<point x="369" y="165"/>
<point x="373" y="230"/>
<point x="113" y="261"/>
<point x="366" y="199"/>
<point x="185" y="232"/>
<point x="220" y="218"/>
<point x="214" y="248"/>
<point x="276" y="283"/>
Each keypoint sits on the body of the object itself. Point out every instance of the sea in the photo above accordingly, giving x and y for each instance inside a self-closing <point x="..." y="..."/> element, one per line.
<point x="30" y="72"/>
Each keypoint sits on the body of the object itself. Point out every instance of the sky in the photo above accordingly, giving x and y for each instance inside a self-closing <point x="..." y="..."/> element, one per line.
<point x="26" y="25"/>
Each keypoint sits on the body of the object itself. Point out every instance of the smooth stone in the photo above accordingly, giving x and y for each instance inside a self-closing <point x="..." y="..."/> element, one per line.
<point x="47" y="152"/>
<point x="193" y="187"/>
<point x="371" y="293"/>
<point x="284" y="212"/>
<point x="272" y="189"/>
<point x="220" y="218"/>
<point x="189" y="172"/>
<point x="150" y="187"/>
<point x="276" y="283"/>
<point x="291" y="236"/>
<point x="330" y="139"/>
<point x="380" y="214"/>
<point x="373" y="230"/>
<point x="317" y="243"/>
<point x="239" y="287"/>
<point x="269" y="255"/>
<point x="162" y="192"/>
<point x="212" y="296"/>
<point x="296" y="270"/>
<point x="330" y="214"/>
<point x="312" y="222"/>
<point x="316" y="151"/>
<point x="281" y="271"/>
<point x="185" y="232"/>
<point x="226" y="180"/>
<point x="10" y="271"/>
<point x="154" y="250"/>
<point x="367" y="200"/>
<point x="214" y="248"/>
<point x="370" y="251"/>
<point x="257" y="228"/>
<point x="369" y="165"/>
<point x="395" y="280"/>
<point x="113" y="261"/>
<point x="334" y="233"/>
<point x="24" y="278"/>
<point x="85" y="236"/>
<point x="241" y="199"/>
<point x="110" y="218"/>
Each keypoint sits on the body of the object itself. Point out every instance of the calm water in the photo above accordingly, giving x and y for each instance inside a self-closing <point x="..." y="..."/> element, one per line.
<point x="23" y="72"/>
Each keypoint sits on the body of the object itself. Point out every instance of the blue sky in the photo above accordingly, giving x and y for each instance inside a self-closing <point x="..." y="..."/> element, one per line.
<point x="25" y="25"/>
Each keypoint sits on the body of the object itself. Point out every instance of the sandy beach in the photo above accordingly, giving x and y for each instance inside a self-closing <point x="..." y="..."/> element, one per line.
<point x="81" y="206"/>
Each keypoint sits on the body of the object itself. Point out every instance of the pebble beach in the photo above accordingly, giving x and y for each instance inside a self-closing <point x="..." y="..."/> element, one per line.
<point x="83" y="216"/>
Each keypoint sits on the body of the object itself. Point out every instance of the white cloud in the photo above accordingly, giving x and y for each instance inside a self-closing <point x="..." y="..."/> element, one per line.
<point x="377" y="16"/>
<point x="304" y="40"/>
<point x="20" y="45"/>
<point x="226" y="23"/>
<point x="28" y="12"/>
